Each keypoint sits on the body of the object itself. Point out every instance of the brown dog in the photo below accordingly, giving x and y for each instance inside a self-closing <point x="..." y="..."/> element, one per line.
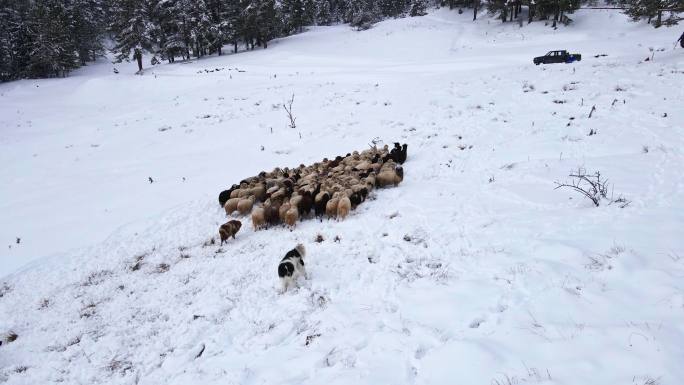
<point x="229" y="229"/>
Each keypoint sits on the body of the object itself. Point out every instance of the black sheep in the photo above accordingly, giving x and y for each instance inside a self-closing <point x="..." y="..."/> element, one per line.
<point x="225" y="195"/>
<point x="306" y="204"/>
<point x="320" y="202"/>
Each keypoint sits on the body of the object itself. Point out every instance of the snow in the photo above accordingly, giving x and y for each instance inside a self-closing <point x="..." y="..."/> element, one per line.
<point x="474" y="270"/>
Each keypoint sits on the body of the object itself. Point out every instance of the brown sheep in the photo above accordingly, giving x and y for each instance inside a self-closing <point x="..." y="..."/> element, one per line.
<point x="271" y="213"/>
<point x="331" y="206"/>
<point x="235" y="193"/>
<point x="343" y="207"/>
<point x="258" y="218"/>
<point x="283" y="210"/>
<point x="320" y="203"/>
<point x="390" y="177"/>
<point x="295" y="200"/>
<point x="244" y="206"/>
<point x="259" y="192"/>
<point x="229" y="229"/>
<point x="231" y="205"/>
<point x="291" y="216"/>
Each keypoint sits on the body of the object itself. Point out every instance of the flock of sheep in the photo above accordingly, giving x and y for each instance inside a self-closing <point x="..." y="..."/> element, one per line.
<point x="328" y="188"/>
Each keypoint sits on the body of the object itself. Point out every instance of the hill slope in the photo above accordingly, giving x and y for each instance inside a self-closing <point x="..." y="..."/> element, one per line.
<point x="474" y="270"/>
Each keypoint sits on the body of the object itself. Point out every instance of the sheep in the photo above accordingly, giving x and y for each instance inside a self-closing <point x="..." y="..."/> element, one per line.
<point x="259" y="192"/>
<point x="355" y="199"/>
<point x="402" y="154"/>
<point x="225" y="195"/>
<point x="390" y="177"/>
<point x="396" y="153"/>
<point x="258" y="218"/>
<point x="295" y="200"/>
<point x="291" y="267"/>
<point x="370" y="182"/>
<point x="271" y="213"/>
<point x="283" y="210"/>
<point x="320" y="203"/>
<point x="343" y="207"/>
<point x="244" y="206"/>
<point x="291" y="216"/>
<point x="229" y="229"/>
<point x="331" y="206"/>
<point x="231" y="205"/>
<point x="306" y="204"/>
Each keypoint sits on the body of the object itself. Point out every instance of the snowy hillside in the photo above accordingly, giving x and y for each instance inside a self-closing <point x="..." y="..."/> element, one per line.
<point x="473" y="271"/>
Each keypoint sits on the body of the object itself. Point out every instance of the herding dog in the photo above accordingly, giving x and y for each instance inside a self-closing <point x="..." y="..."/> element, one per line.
<point x="291" y="267"/>
<point x="229" y="229"/>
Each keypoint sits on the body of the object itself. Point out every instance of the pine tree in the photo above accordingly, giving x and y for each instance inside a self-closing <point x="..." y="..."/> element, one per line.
<point x="135" y="33"/>
<point x="324" y="15"/>
<point x="51" y="51"/>
<point x="418" y="8"/>
<point x="87" y="28"/>
<point x="294" y="16"/>
<point x="650" y="10"/>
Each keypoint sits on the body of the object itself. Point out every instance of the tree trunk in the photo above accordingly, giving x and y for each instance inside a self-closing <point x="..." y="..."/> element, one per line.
<point x="475" y="4"/>
<point x="138" y="57"/>
<point x="530" y="13"/>
<point x="235" y="47"/>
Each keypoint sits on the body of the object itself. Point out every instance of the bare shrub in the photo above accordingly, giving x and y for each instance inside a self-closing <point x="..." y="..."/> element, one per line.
<point x="592" y="186"/>
<point x="4" y="289"/>
<point x="119" y="366"/>
<point x="288" y="109"/>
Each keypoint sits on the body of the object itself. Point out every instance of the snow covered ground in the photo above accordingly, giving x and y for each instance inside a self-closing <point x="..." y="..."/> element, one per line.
<point x="473" y="271"/>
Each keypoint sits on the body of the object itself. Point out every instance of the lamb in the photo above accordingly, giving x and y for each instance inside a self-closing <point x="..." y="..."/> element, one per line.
<point x="245" y="205"/>
<point x="258" y="218"/>
<point x="229" y="229"/>
<point x="231" y="205"/>
<point x="291" y="267"/>
<point x="343" y="207"/>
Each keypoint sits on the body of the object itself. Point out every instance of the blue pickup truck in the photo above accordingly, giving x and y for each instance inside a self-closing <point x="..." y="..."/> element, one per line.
<point x="561" y="56"/>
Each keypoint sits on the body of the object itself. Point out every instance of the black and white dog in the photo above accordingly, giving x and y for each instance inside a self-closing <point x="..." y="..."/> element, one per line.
<point x="291" y="267"/>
